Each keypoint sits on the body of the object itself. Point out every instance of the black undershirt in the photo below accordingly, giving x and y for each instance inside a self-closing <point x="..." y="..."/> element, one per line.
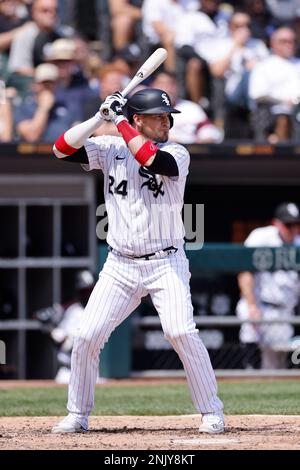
<point x="163" y="164"/>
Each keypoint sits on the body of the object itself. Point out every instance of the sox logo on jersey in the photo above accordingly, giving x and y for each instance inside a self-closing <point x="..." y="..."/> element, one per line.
<point x="151" y="182"/>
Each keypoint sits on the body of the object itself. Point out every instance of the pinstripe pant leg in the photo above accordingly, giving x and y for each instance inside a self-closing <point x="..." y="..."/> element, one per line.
<point x="172" y="299"/>
<point x="114" y="297"/>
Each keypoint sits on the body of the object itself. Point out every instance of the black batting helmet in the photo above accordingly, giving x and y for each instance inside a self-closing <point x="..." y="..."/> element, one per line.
<point x="149" y="101"/>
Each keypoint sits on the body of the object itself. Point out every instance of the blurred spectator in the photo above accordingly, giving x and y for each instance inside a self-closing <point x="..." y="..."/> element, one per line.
<point x="6" y="115"/>
<point x="24" y="9"/>
<point x="92" y="67"/>
<point x="83" y="16"/>
<point x="192" y="124"/>
<point x="231" y="60"/>
<point x="275" y="88"/>
<point x="160" y="20"/>
<point x="125" y="14"/>
<point x="270" y="295"/>
<point x="283" y="10"/>
<point x="111" y="79"/>
<point x="219" y="12"/>
<point x="10" y="25"/>
<point x="196" y="34"/>
<point x="129" y="59"/>
<point x="29" y="45"/>
<point x="10" y="22"/>
<point x="296" y="28"/>
<point x="88" y="62"/>
<point x="73" y="87"/>
<point x="262" y="21"/>
<point x="42" y="116"/>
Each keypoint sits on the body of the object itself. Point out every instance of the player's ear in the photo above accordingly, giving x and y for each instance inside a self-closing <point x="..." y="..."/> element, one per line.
<point x="137" y="120"/>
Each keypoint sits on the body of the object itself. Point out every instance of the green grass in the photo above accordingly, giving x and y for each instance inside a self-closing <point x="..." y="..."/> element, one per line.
<point x="268" y="397"/>
<point x="264" y="397"/>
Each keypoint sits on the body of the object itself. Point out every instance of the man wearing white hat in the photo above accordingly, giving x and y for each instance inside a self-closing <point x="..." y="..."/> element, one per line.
<point x="41" y="117"/>
<point x="73" y="87"/>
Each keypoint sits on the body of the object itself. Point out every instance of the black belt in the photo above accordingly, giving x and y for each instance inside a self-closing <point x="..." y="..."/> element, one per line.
<point x="172" y="249"/>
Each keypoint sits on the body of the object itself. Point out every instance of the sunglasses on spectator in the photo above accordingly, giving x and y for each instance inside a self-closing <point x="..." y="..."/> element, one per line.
<point x="241" y="25"/>
<point x="286" y="40"/>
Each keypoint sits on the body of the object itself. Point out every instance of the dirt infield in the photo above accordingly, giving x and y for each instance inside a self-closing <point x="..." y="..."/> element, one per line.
<point x="153" y="433"/>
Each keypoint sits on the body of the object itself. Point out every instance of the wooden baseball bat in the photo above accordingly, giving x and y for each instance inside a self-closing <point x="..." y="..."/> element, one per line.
<point x="148" y="67"/>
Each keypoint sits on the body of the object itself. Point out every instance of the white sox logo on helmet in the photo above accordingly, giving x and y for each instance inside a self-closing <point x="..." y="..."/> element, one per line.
<point x="165" y="99"/>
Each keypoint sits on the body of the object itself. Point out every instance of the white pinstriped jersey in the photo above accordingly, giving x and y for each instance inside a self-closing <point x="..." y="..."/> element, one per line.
<point x="144" y="210"/>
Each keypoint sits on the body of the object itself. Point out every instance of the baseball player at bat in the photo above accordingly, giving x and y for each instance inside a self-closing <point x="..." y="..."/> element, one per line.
<point x="144" y="181"/>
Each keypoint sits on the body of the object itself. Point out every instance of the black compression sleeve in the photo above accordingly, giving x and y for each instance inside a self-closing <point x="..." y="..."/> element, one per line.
<point x="78" y="157"/>
<point x="164" y="164"/>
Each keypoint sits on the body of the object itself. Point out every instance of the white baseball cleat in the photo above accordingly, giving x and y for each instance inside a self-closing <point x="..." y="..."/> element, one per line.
<point x="67" y="425"/>
<point x="212" y="423"/>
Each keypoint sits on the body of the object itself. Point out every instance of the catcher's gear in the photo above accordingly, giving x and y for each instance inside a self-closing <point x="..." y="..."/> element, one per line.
<point x="111" y="109"/>
<point x="149" y="101"/>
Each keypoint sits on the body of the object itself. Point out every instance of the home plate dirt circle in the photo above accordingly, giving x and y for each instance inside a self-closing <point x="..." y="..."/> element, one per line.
<point x="152" y="433"/>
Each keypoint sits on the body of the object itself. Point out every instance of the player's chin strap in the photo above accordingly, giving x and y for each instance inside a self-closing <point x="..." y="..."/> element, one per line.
<point x="72" y="140"/>
<point x="143" y="152"/>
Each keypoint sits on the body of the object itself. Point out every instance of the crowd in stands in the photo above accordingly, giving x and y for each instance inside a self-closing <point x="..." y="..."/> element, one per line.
<point x="233" y="67"/>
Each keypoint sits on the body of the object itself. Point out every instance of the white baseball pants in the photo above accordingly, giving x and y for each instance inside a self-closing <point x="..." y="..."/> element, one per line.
<point x="121" y="285"/>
